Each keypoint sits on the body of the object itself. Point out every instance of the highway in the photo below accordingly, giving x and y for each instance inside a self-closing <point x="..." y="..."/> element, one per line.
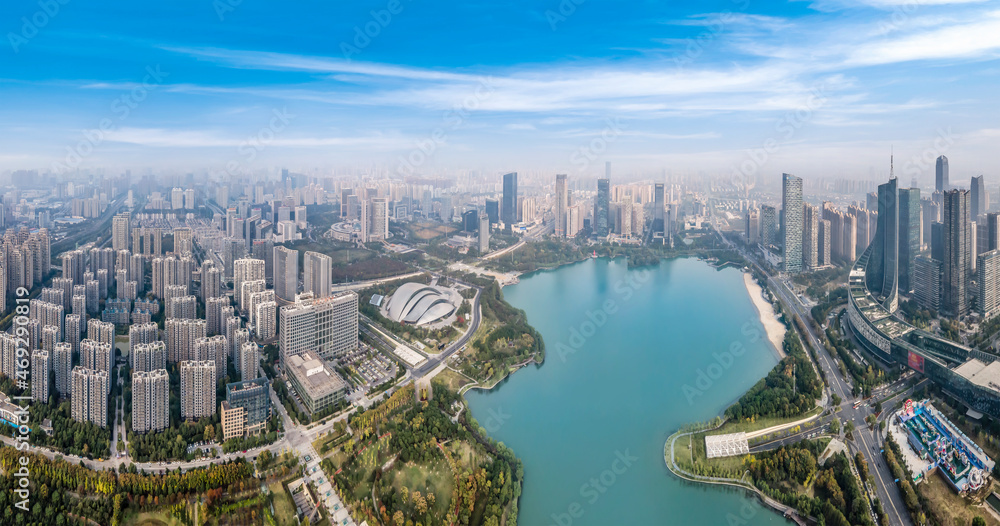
<point x="866" y="439"/>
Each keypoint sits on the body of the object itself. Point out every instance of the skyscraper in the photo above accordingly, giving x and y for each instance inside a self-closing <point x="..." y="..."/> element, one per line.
<point x="909" y="235"/>
<point x="318" y="274"/>
<point x="824" y="257"/>
<point x="989" y="283"/>
<point x="883" y="270"/>
<point x="508" y="211"/>
<point x="562" y="202"/>
<point x="956" y="253"/>
<point x="602" y="208"/>
<point x="941" y="183"/>
<point x="484" y="234"/>
<point x="791" y="202"/>
<point x="378" y="219"/>
<point x="810" y="237"/>
<point x="768" y="225"/>
<point x="927" y="282"/>
<point x="659" y="208"/>
<point x="493" y="211"/>
<point x="286" y="273"/>
<point x="751" y="228"/>
<point x="978" y="198"/>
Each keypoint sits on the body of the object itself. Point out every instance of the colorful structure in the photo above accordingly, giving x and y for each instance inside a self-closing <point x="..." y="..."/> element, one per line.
<point x="934" y="438"/>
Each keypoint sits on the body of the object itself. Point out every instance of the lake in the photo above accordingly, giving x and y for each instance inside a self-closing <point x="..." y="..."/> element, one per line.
<point x="631" y="355"/>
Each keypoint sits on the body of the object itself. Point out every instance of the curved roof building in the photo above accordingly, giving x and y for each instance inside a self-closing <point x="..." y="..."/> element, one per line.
<point x="419" y="304"/>
<point x="971" y="375"/>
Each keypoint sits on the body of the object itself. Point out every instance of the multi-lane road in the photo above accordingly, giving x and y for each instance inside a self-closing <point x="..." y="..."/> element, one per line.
<point x="867" y="440"/>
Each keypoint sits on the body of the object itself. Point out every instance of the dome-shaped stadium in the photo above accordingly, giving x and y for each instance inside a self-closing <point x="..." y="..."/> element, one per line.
<point x="419" y="304"/>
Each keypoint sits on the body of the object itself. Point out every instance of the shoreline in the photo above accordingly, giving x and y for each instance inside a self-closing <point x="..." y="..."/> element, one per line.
<point x="774" y="328"/>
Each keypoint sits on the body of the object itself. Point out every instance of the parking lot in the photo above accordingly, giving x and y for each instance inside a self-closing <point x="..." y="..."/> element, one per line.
<point x="367" y="368"/>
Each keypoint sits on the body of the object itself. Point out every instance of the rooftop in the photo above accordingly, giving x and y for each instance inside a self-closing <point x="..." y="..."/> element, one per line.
<point x="315" y="376"/>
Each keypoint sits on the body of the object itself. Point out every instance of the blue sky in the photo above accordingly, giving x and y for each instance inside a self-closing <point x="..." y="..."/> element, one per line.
<point x="820" y="88"/>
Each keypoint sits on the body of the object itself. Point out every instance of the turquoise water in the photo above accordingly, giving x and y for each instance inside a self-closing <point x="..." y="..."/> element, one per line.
<point x="631" y="356"/>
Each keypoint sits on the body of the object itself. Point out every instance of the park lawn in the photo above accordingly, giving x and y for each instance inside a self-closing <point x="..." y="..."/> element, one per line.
<point x="339" y="254"/>
<point x="152" y="518"/>
<point x="732" y="466"/>
<point x="949" y="506"/>
<point x="427" y="231"/>
<point x="434" y="477"/>
<point x="284" y="506"/>
<point x="452" y="379"/>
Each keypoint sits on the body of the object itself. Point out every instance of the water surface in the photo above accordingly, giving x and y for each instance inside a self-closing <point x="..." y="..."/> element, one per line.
<point x="631" y="356"/>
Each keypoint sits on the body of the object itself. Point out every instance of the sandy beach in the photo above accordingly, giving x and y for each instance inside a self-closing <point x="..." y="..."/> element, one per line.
<point x="772" y="325"/>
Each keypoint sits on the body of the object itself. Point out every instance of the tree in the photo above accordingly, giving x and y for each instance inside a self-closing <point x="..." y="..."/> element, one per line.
<point x="398" y="518"/>
<point x="835" y="426"/>
<point x="978" y="521"/>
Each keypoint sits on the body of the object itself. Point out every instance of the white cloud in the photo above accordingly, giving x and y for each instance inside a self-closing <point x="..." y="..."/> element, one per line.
<point x="164" y="138"/>
<point x="979" y="39"/>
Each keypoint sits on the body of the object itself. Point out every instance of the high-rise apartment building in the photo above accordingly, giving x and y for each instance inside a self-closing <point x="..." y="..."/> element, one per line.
<point x="768" y="225"/>
<point x="213" y="315"/>
<point x="40" y="367"/>
<point x="180" y="334"/>
<point x="149" y="356"/>
<point x="751" y="226"/>
<point x="810" y="236"/>
<point x="197" y="389"/>
<point x="62" y="364"/>
<point x="791" y="202"/>
<point x="90" y="396"/>
<point x="212" y="348"/>
<point x="249" y="361"/>
<point x="247" y="270"/>
<point x="120" y="232"/>
<point x="150" y="400"/>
